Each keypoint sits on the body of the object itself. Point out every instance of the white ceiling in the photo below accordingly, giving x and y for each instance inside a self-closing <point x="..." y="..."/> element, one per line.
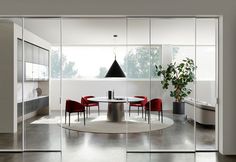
<point x="79" y="31"/>
<point x="98" y="31"/>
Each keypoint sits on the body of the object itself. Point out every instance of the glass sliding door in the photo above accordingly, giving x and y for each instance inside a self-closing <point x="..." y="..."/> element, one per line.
<point x="49" y="61"/>
<point x="42" y="113"/>
<point x="137" y="62"/>
<point x="90" y="46"/>
<point x="11" y="99"/>
<point x="179" y="42"/>
<point x="206" y="83"/>
<point x="170" y="131"/>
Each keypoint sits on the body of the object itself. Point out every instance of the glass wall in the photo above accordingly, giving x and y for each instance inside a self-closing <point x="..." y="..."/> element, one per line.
<point x="138" y="80"/>
<point x="56" y="60"/>
<point x="175" y="133"/>
<point x="168" y="41"/>
<point x="206" y="84"/>
<point x="42" y="117"/>
<point x="90" y="46"/>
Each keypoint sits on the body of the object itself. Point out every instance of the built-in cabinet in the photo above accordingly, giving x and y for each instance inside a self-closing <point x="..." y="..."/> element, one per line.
<point x="36" y="71"/>
<point x="36" y="62"/>
<point x="37" y="56"/>
<point x="33" y="105"/>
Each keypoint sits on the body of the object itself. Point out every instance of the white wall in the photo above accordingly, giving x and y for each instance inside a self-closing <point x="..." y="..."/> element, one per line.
<point x="11" y="91"/>
<point x="226" y="8"/>
<point x="75" y="89"/>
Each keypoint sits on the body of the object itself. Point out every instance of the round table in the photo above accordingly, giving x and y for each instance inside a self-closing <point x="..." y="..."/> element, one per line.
<point x="115" y="111"/>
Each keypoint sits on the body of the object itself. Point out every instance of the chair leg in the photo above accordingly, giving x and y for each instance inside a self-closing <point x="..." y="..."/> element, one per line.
<point x="161" y="116"/>
<point x="142" y="112"/>
<point x="98" y="110"/>
<point x="86" y="112"/>
<point x="69" y="119"/>
<point x="78" y="116"/>
<point x="138" y="110"/>
<point x="65" y="117"/>
<point x="129" y="110"/>
<point x="149" y="116"/>
<point x="89" y="110"/>
<point x="84" y="117"/>
<point x="145" y="114"/>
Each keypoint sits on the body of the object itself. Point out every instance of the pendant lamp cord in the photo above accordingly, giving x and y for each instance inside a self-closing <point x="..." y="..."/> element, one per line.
<point x="114" y="49"/>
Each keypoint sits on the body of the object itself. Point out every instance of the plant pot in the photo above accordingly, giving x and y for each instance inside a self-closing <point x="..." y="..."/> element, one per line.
<point x="178" y="108"/>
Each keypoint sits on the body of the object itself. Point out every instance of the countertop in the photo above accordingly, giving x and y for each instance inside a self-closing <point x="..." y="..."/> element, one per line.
<point x="115" y="100"/>
<point x="30" y="99"/>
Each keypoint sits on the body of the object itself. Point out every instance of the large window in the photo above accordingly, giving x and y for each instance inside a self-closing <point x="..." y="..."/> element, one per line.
<point x="140" y="61"/>
<point x="93" y="62"/>
<point x="205" y="59"/>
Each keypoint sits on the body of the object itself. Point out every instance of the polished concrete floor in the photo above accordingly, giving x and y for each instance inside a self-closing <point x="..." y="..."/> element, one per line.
<point x="179" y="157"/>
<point x="78" y="146"/>
<point x="134" y="157"/>
<point x="180" y="136"/>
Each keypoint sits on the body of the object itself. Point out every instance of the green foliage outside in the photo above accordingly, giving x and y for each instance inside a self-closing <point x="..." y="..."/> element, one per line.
<point x="139" y="63"/>
<point x="102" y="72"/>
<point x="68" y="67"/>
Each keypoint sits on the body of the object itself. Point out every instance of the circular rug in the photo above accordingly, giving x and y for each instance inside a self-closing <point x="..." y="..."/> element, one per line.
<point x="99" y="124"/>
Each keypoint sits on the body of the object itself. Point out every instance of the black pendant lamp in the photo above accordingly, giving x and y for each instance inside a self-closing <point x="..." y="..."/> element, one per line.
<point x="115" y="69"/>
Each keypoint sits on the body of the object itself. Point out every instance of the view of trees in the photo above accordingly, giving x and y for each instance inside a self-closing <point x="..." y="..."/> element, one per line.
<point x="138" y="63"/>
<point x="102" y="72"/>
<point x="68" y="67"/>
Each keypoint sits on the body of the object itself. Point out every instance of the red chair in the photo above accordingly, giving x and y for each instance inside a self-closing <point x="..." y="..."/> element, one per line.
<point x="88" y="104"/>
<point x="72" y="107"/>
<point x="156" y="105"/>
<point x="138" y="104"/>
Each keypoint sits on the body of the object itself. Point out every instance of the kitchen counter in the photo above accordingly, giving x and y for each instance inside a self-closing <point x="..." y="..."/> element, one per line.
<point x="30" y="99"/>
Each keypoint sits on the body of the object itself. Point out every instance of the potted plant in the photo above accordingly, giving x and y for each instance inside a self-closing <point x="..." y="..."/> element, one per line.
<point x="177" y="75"/>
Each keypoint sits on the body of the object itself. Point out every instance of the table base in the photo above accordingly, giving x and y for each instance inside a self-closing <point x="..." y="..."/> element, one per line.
<point x="115" y="112"/>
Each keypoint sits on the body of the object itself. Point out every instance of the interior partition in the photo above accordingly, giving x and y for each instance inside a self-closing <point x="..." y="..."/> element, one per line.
<point x="59" y="59"/>
<point x="177" y="38"/>
<point x="206" y="105"/>
<point x="173" y="41"/>
<point x="89" y="48"/>
<point x="42" y="129"/>
<point x="138" y="78"/>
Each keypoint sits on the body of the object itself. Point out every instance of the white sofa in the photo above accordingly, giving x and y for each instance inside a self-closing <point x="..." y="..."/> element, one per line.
<point x="205" y="113"/>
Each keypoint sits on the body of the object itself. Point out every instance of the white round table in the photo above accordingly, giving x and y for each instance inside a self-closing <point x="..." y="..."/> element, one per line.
<point x="115" y="111"/>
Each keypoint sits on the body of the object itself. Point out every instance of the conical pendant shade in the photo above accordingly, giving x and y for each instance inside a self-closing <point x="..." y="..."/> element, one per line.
<point x="115" y="71"/>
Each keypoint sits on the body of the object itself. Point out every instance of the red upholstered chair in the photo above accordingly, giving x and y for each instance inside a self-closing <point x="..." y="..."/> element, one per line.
<point x="156" y="105"/>
<point x="88" y="104"/>
<point x="138" y="104"/>
<point x="72" y="107"/>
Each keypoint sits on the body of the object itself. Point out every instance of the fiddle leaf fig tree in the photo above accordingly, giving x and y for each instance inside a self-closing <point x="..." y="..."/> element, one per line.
<point x="178" y="76"/>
